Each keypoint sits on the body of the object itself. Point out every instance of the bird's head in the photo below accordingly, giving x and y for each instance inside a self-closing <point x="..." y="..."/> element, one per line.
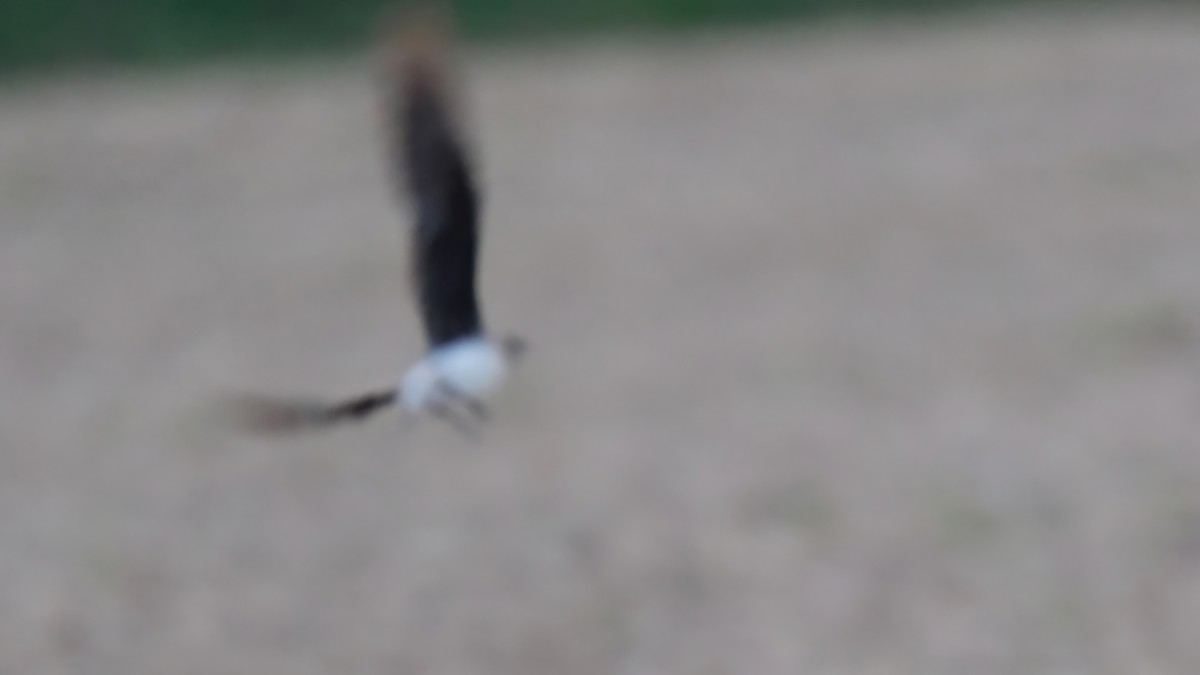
<point x="514" y="347"/>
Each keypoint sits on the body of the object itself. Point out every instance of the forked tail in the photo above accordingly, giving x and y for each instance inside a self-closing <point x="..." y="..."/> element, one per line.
<point x="272" y="415"/>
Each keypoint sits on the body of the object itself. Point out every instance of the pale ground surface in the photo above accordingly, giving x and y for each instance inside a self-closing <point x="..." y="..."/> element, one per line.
<point x="876" y="352"/>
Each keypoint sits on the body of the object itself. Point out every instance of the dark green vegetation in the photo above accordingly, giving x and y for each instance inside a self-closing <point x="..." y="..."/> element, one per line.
<point x="74" y="32"/>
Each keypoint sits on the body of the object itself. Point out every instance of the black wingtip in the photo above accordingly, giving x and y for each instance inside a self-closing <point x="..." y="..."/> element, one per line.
<point x="415" y="46"/>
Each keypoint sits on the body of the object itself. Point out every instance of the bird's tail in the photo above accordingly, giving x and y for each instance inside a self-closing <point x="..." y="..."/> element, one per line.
<point x="274" y="415"/>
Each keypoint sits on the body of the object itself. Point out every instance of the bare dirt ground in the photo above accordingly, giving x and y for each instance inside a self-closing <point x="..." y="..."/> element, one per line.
<point x="864" y="351"/>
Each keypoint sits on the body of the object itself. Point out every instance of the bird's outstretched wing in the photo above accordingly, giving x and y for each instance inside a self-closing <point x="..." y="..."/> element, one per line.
<point x="434" y="171"/>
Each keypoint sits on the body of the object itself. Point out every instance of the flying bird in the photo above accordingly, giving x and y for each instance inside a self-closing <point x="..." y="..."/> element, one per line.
<point x="463" y="365"/>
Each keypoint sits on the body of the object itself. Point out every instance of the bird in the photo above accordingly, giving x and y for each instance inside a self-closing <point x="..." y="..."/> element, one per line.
<point x="463" y="365"/>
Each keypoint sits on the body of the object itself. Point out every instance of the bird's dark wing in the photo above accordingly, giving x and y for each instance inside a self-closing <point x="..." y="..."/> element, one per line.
<point x="437" y="177"/>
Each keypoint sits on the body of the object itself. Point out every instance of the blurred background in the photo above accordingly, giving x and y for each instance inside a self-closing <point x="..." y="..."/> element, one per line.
<point x="865" y="340"/>
<point x="36" y="32"/>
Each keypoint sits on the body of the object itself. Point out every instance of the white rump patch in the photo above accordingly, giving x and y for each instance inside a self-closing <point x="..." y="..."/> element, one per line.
<point x="472" y="367"/>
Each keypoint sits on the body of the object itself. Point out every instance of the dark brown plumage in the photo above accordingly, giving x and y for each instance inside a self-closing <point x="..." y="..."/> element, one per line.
<point x="434" y="177"/>
<point x="434" y="172"/>
<point x="272" y="415"/>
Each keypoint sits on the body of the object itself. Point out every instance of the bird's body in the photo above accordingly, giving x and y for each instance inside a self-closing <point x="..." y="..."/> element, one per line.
<point x="463" y="365"/>
<point x="470" y="368"/>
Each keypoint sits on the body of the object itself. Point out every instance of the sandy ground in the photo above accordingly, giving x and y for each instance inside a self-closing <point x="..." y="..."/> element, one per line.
<point x="866" y="351"/>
